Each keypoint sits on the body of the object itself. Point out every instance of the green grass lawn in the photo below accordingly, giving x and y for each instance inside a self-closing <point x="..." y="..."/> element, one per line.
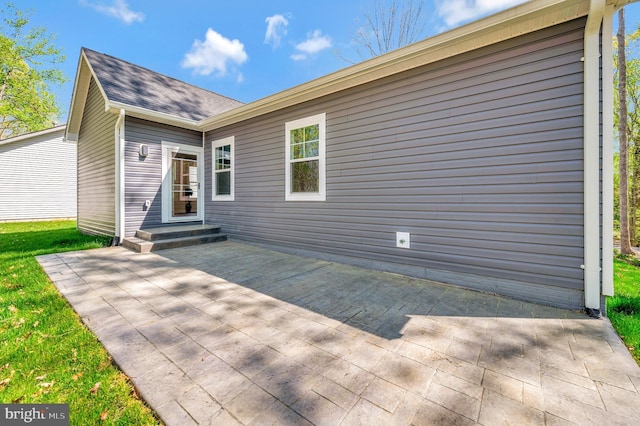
<point x="46" y="354"/>
<point x="624" y="308"/>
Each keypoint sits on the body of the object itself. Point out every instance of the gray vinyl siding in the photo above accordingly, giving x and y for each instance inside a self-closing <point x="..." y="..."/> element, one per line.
<point x="478" y="156"/>
<point x="38" y="177"/>
<point x="96" y="167"/>
<point x="143" y="175"/>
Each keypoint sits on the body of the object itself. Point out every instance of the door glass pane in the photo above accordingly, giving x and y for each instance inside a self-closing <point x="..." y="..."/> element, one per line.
<point x="184" y="184"/>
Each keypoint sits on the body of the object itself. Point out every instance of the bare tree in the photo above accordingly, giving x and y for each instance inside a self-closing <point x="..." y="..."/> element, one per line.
<point x="625" y="244"/>
<point x="389" y="25"/>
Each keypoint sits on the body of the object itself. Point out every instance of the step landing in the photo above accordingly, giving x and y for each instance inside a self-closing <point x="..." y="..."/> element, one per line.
<point x="166" y="237"/>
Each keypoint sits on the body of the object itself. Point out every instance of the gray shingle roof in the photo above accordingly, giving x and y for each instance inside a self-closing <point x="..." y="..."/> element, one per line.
<point x="136" y="86"/>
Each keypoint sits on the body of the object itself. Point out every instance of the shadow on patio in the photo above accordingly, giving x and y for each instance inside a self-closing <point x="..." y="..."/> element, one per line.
<point x="230" y="332"/>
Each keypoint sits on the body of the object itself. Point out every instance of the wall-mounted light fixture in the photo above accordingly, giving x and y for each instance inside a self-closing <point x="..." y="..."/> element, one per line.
<point x="144" y="150"/>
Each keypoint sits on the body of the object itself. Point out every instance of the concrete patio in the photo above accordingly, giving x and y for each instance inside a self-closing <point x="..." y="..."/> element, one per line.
<point x="229" y="333"/>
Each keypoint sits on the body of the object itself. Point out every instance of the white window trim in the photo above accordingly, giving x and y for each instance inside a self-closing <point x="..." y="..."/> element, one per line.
<point x="215" y="144"/>
<point x="321" y="195"/>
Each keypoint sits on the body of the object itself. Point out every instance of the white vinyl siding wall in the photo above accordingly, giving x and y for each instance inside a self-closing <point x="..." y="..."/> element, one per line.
<point x="38" y="176"/>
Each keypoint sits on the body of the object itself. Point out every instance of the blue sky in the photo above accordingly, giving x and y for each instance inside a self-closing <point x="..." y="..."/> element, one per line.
<point x="242" y="49"/>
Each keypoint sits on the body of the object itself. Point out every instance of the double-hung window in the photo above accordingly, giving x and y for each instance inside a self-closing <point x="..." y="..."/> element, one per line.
<point x="305" y="159"/>
<point x="223" y="169"/>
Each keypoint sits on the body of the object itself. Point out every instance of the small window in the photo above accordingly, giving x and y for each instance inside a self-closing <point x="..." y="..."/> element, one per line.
<point x="305" y="159"/>
<point x="223" y="169"/>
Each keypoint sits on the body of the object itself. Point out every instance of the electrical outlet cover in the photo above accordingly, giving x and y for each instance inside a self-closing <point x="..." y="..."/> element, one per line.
<point x="403" y="239"/>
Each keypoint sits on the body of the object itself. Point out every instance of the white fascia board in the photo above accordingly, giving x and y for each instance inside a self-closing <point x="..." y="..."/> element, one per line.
<point x="78" y="98"/>
<point x="617" y="4"/>
<point x="59" y="128"/>
<point x="81" y="86"/>
<point x="93" y="74"/>
<point x="156" y="117"/>
<point x="519" y="20"/>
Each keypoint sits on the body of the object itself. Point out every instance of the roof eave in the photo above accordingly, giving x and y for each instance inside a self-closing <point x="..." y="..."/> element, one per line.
<point x="150" y="115"/>
<point x="79" y="97"/>
<point x="78" y="100"/>
<point x="519" y="20"/>
<point x="617" y="4"/>
<point x="76" y="109"/>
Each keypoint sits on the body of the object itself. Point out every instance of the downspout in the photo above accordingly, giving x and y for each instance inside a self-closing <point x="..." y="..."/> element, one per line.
<point x="201" y="185"/>
<point x="119" y="184"/>
<point x="607" y="152"/>
<point x="592" y="158"/>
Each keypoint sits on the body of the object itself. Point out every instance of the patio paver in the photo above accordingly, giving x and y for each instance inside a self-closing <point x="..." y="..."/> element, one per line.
<point x="230" y="333"/>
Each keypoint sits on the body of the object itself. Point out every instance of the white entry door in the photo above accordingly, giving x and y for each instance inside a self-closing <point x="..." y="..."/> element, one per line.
<point x="182" y="183"/>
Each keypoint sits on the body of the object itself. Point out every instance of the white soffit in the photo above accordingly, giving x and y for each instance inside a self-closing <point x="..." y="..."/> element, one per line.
<point x="78" y="99"/>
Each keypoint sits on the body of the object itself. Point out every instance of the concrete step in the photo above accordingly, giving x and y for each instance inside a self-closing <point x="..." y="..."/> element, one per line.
<point x="176" y="231"/>
<point x="144" y="246"/>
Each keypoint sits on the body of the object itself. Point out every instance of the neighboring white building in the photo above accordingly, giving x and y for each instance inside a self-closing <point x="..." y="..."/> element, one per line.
<point x="38" y="174"/>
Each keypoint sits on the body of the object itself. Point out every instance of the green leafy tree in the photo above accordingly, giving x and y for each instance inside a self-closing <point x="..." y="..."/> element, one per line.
<point x="616" y="198"/>
<point x="28" y="61"/>
<point x="633" y="129"/>
<point x="629" y="135"/>
<point x="633" y="142"/>
<point x="625" y="239"/>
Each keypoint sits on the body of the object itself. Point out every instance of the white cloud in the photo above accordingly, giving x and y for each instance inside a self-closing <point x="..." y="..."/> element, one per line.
<point x="454" y="12"/>
<point x="119" y="9"/>
<point x="314" y="43"/>
<point x="276" y="29"/>
<point x="213" y="54"/>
